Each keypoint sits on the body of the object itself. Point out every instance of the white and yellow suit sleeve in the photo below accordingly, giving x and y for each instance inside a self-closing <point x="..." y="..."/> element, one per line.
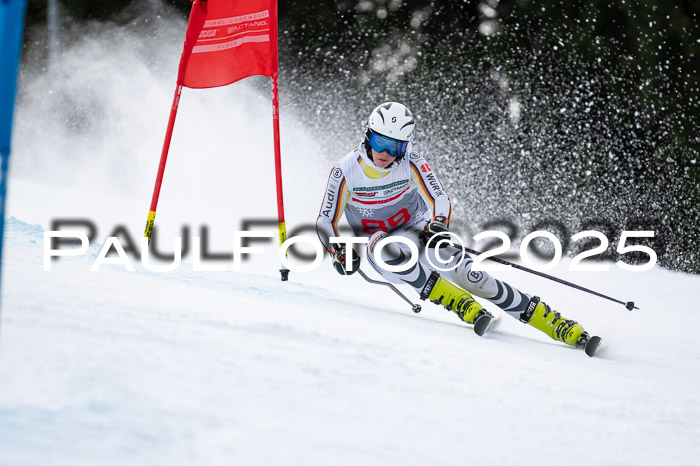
<point x="430" y="187"/>
<point x="334" y="201"/>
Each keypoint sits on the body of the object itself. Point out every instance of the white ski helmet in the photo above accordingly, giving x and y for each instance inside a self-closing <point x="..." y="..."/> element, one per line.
<point x="393" y="121"/>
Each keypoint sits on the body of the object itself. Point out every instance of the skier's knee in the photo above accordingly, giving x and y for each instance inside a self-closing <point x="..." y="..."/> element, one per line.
<point x="391" y="253"/>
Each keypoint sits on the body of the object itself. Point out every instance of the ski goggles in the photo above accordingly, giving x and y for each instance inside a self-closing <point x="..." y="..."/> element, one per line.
<point x="381" y="143"/>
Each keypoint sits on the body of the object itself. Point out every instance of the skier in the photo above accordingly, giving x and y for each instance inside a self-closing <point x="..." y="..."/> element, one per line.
<point x="384" y="188"/>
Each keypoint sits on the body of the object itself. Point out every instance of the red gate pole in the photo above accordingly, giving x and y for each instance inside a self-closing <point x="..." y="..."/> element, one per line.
<point x="276" y="130"/>
<point x="161" y="168"/>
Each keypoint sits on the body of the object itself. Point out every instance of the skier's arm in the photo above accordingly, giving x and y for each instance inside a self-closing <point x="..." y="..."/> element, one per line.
<point x="332" y="208"/>
<point x="430" y="188"/>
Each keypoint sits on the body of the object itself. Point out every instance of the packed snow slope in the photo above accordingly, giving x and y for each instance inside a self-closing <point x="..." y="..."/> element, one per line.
<point x="119" y="367"/>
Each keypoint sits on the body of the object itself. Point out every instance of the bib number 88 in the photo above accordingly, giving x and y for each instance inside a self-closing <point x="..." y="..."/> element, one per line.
<point x="370" y="226"/>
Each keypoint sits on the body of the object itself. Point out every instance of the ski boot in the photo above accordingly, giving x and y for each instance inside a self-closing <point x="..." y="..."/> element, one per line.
<point x="453" y="298"/>
<point x="543" y="318"/>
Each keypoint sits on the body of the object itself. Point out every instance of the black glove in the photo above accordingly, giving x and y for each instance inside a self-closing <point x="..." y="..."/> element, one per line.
<point x="339" y="260"/>
<point x="434" y="231"/>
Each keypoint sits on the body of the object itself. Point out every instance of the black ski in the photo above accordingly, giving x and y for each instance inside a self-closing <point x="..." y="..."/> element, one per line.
<point x="592" y="346"/>
<point x="482" y="324"/>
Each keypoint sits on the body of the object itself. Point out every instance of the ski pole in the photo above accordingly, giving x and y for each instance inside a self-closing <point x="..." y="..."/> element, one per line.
<point x="629" y="304"/>
<point x="415" y="307"/>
